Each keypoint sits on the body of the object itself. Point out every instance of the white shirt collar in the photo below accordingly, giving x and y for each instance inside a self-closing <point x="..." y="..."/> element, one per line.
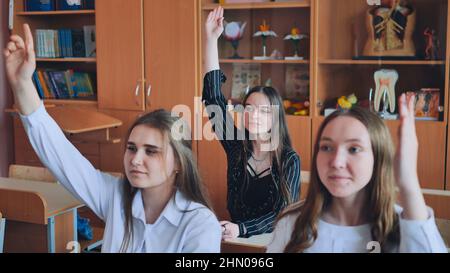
<point x="173" y="212"/>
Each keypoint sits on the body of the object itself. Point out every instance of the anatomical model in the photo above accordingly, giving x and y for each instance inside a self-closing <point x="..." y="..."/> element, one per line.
<point x="385" y="81"/>
<point x="391" y="26"/>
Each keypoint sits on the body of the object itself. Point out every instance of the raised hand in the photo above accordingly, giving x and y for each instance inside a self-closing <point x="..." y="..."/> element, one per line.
<point x="20" y="64"/>
<point x="214" y="24"/>
<point x="20" y="59"/>
<point x="213" y="30"/>
<point x="411" y="197"/>
<point x="407" y="150"/>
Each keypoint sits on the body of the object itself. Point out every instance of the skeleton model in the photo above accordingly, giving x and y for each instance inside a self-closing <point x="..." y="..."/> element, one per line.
<point x="391" y="26"/>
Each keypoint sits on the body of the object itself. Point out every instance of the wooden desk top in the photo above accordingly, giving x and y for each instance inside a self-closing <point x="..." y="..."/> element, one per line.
<point x="56" y="199"/>
<point x="254" y="244"/>
<point x="75" y="120"/>
<point x="259" y="241"/>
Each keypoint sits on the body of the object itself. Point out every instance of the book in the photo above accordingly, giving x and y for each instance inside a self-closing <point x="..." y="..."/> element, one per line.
<point x="38" y="85"/>
<point x="70" y="4"/>
<point x="89" y="41"/>
<point x="39" y="5"/>
<point x="245" y="77"/>
<point x="51" y="87"/>
<point x="82" y="85"/>
<point x="89" y="4"/>
<point x="78" y="43"/>
<point x="68" y="34"/>
<point x="58" y="79"/>
<point x="45" y="88"/>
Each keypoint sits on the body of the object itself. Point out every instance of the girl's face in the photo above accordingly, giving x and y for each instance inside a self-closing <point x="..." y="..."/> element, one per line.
<point x="345" y="159"/>
<point x="149" y="161"/>
<point x="258" y="114"/>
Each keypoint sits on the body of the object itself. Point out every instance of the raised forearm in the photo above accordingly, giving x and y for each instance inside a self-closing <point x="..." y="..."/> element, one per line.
<point x="26" y="97"/>
<point x="211" y="55"/>
<point x="413" y="202"/>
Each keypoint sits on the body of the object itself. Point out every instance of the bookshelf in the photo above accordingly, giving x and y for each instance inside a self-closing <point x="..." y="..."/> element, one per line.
<point x="342" y="34"/>
<point x="72" y="112"/>
<point x="56" y="52"/>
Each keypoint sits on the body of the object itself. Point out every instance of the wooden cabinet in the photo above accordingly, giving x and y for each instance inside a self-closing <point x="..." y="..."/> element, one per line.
<point x="342" y="69"/>
<point x="56" y="20"/>
<point x="120" y="54"/>
<point x="147" y="53"/>
<point x="147" y="60"/>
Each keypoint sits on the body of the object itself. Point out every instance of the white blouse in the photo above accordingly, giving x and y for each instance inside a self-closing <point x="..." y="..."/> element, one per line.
<point x="183" y="226"/>
<point x="415" y="236"/>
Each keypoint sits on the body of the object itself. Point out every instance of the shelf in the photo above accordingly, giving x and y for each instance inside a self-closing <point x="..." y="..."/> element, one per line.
<point x="73" y="60"/>
<point x="250" y="61"/>
<point x="297" y="117"/>
<point x="379" y="62"/>
<point x="57" y="12"/>
<point x="397" y="122"/>
<point x="265" y="5"/>
<point x="72" y="102"/>
<point x="72" y="120"/>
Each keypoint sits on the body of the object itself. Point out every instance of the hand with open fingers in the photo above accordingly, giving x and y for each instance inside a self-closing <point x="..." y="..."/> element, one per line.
<point x="229" y="230"/>
<point x="407" y="150"/>
<point x="20" y="58"/>
<point x="214" y="24"/>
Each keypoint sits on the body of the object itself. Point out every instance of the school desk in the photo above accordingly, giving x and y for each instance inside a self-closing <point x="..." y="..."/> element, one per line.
<point x="42" y="217"/>
<point x="253" y="244"/>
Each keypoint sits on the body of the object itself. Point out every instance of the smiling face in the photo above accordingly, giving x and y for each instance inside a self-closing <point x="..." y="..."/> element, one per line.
<point x="149" y="160"/>
<point x="345" y="160"/>
<point x="258" y="114"/>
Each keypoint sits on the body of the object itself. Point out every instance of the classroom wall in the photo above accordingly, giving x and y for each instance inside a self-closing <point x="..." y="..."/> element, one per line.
<point x="6" y="100"/>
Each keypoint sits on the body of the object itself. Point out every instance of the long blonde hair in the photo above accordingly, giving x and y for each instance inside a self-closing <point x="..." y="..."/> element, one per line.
<point x="380" y="189"/>
<point x="187" y="180"/>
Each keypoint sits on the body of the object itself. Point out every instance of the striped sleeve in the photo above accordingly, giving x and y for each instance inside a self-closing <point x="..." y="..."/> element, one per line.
<point x="264" y="224"/>
<point x="215" y="102"/>
<point x="291" y="172"/>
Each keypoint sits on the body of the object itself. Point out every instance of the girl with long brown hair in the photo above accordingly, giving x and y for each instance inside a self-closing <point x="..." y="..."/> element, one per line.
<point x="159" y="206"/>
<point x="263" y="168"/>
<point x="351" y="201"/>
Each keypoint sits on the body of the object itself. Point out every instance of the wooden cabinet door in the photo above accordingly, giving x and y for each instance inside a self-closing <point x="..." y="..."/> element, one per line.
<point x="120" y="65"/>
<point x="171" y="36"/>
<point x="300" y="133"/>
<point x="432" y="147"/>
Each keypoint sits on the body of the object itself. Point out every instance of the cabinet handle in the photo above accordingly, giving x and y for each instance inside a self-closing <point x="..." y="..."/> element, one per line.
<point x="149" y="90"/>
<point x="137" y="89"/>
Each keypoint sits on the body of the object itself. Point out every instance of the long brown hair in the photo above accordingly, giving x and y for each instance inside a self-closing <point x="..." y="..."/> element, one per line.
<point x="284" y="141"/>
<point x="380" y="189"/>
<point x="187" y="180"/>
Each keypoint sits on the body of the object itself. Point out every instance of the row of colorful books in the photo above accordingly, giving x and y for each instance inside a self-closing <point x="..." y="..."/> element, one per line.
<point x="68" y="84"/>
<point x="65" y="43"/>
<point x="49" y="5"/>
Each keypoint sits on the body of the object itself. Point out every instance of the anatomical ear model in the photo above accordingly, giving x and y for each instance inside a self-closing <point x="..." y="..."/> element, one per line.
<point x="385" y="81"/>
<point x="391" y="26"/>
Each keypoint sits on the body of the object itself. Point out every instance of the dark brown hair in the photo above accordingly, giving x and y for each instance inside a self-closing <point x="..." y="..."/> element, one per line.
<point x="284" y="141"/>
